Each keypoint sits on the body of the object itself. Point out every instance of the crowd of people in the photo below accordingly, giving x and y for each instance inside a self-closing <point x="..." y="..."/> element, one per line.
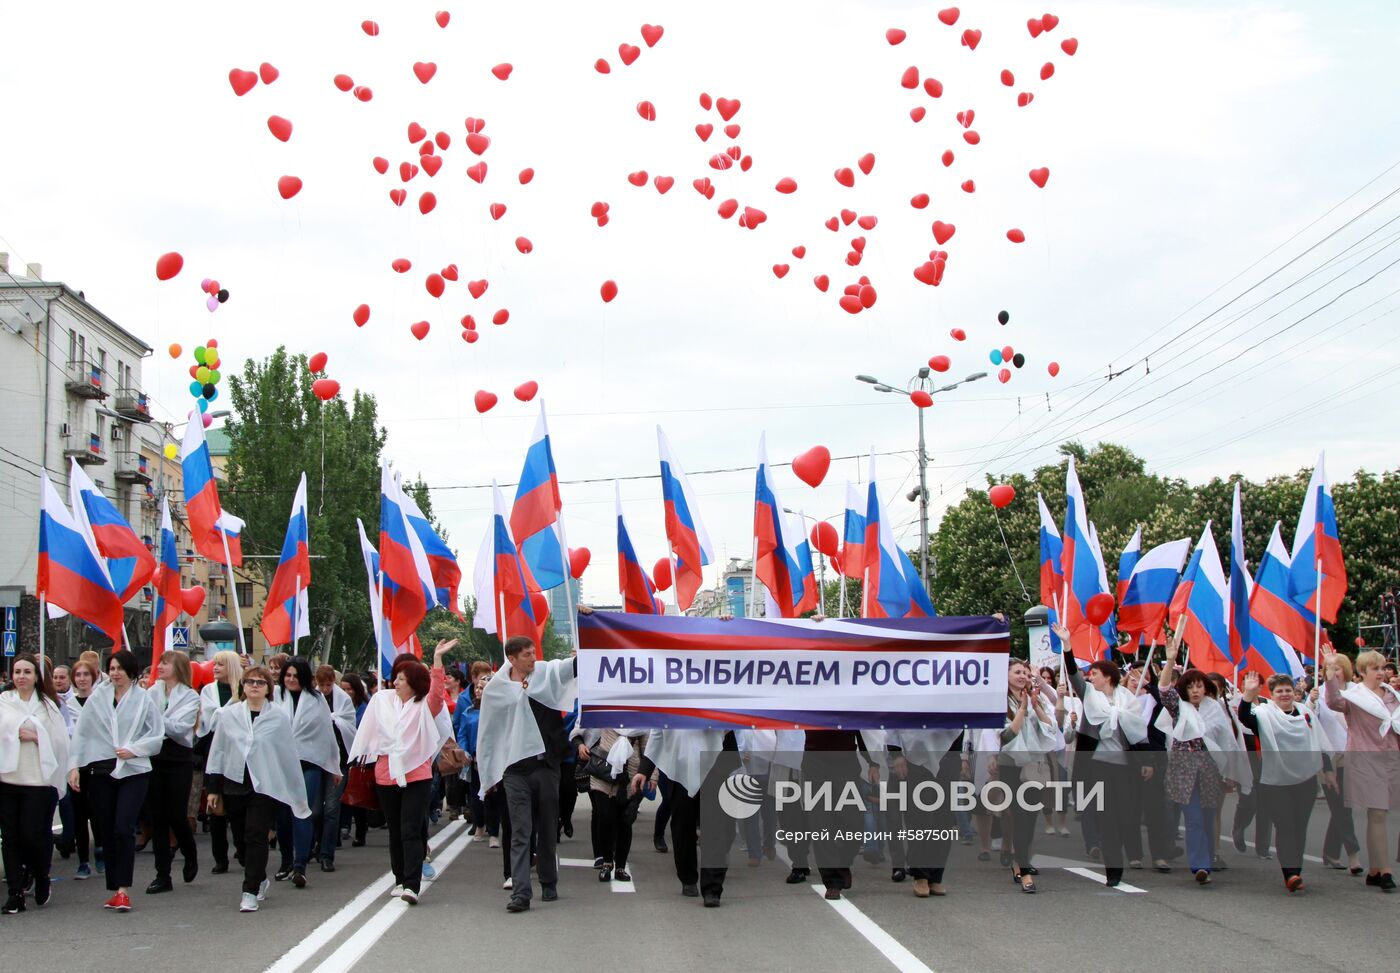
<point x="302" y="759"/>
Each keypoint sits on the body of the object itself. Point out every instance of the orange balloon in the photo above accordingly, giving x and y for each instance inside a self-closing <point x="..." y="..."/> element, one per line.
<point x="175" y="351"/>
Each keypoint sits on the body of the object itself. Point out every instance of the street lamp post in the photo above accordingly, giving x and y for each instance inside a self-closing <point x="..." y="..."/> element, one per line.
<point x="920" y="381"/>
<point x="821" y="560"/>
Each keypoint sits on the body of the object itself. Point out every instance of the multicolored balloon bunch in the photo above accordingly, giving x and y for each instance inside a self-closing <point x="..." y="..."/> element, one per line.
<point x="205" y="377"/>
<point x="217" y="295"/>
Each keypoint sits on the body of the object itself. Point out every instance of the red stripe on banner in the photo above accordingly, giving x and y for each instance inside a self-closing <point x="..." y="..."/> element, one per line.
<point x="717" y="715"/>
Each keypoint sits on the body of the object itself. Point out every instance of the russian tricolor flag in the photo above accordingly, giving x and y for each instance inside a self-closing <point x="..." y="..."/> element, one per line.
<point x="408" y="589"/>
<point x="1207" y="610"/>
<point x="853" y="534"/>
<point x="780" y="565"/>
<point x="202" y="506"/>
<point x="71" y="575"/>
<point x="534" y="518"/>
<point x="129" y="563"/>
<point x="284" y="620"/>
<point x="691" y="548"/>
<point x="636" y="587"/>
<point x="1149" y="587"/>
<point x="1318" y="576"/>
<point x="1126" y="562"/>
<point x="167" y="578"/>
<point x="1052" y="578"/>
<point x="444" y="575"/>
<point x="383" y="638"/>
<point x="1279" y="626"/>
<point x="1083" y="571"/>
<point x="1240" y="586"/>
<point x="894" y="587"/>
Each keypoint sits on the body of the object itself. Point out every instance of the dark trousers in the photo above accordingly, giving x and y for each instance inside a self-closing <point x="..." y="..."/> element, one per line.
<point x="117" y="806"/>
<point x="663" y="810"/>
<point x="26" y="814"/>
<point x="219" y="827"/>
<point x="792" y="817"/>
<point x="928" y="857"/>
<point x="85" y="833"/>
<point x="1249" y="809"/>
<point x="497" y="800"/>
<point x="1341" y="833"/>
<point x="1119" y="830"/>
<point x="294" y="833"/>
<point x="532" y="797"/>
<point x="456" y="791"/>
<point x="1156" y="812"/>
<point x="258" y="815"/>
<point x="1023" y="819"/>
<point x="167" y="801"/>
<point x="1289" y="807"/>
<point x="694" y="816"/>
<point x="834" y="855"/>
<point x="615" y="817"/>
<point x="325" y="817"/>
<point x="568" y="795"/>
<point x="485" y="812"/>
<point x="405" y="809"/>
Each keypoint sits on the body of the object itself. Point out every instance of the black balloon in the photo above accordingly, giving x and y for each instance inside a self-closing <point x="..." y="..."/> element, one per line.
<point x="208" y="391"/>
<point x="1018" y="359"/>
<point x="223" y="295"/>
<point x="1003" y="317"/>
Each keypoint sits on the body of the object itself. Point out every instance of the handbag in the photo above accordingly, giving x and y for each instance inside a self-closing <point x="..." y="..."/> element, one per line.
<point x="598" y="765"/>
<point x="451" y="759"/>
<point x="359" y="787"/>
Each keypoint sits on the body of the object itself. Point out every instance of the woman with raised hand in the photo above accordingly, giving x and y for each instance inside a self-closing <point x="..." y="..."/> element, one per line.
<point x="1341" y="830"/>
<point x="251" y="774"/>
<point x="1372" y="711"/>
<point x="1028" y="736"/>
<point x="314" y="735"/>
<point x="172" y="770"/>
<point x="400" y="733"/>
<point x="225" y="689"/>
<point x="33" y="759"/>
<point x="118" y="732"/>
<point x="1290" y="759"/>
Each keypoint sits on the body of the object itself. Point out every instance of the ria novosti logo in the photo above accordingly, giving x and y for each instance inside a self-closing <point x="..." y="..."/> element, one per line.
<point x="740" y="796"/>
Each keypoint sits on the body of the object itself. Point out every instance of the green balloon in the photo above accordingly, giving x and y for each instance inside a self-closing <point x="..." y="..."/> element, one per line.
<point x="199" y="354"/>
<point x="201" y="375"/>
<point x="213" y="376"/>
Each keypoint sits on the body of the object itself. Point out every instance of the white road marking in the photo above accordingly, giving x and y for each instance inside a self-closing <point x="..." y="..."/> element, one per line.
<point x="328" y="930"/>
<point x="1095" y="876"/>
<point x="889" y="947"/>
<point x="350" y="952"/>
<point x="588" y="863"/>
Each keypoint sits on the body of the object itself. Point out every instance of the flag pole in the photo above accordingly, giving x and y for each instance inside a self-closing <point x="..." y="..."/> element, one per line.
<point x="1317" y="621"/>
<point x="753" y="576"/>
<point x="841" y="579"/>
<point x="675" y="588"/>
<point x="232" y="587"/>
<point x="296" y="603"/>
<point x="43" y="618"/>
<point x="568" y="581"/>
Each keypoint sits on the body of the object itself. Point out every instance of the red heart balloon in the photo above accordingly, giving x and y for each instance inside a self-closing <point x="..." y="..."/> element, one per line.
<point x="478" y="143"/>
<point x="919" y="201"/>
<point x="833" y="224"/>
<point x="1001" y="495"/>
<point x="848" y="216"/>
<point x="1069" y="45"/>
<point x="910" y="78"/>
<point x="638" y="178"/>
<point x="281" y="128"/>
<point x="416" y="132"/>
<point x="427" y="203"/>
<point x="407" y="171"/>
<point x="822" y="281"/>
<point x="498" y="210"/>
<point x="917" y="113"/>
<point x="728" y="107"/>
<point x="500" y="317"/>
<point x="424" y="71"/>
<point x="1047" y="70"/>
<point x="168" y="265"/>
<point x="608" y="291"/>
<point x="940" y="363"/>
<point x="647" y="110"/>
<point x="799" y="251"/>
<point x="343" y="82"/>
<point x="921" y="398"/>
<point x="971" y="38"/>
<point x="811" y="467"/>
<point x="1016" y="236"/>
<point x="728" y="208"/>
<point x="934" y="87"/>
<point x="969" y="186"/>
<point x="484" y="400"/>
<point x="431" y="164"/>
<point x="370" y="28"/>
<point x="477" y="287"/>
<point x="1049" y="21"/>
<point x="1040" y="176"/>
<point x="1099" y="608"/>
<point x="381" y="164"/>
<point x="867" y="222"/>
<point x="866" y="162"/>
<point x="628" y="53"/>
<point x="947" y="158"/>
<point x="1024" y="99"/>
<point x="363" y="92"/>
<point x="435" y="285"/>
<point x="420" y="329"/>
<point x="325" y="389"/>
<point x="525" y="176"/>
<point x="1034" y="26"/>
<point x="753" y="217"/>
<point x="502" y="70"/>
<point x="523" y="244"/>
<point x="971" y="137"/>
<point x="652" y="33"/>
<point x="192" y="599"/>
<point x="317" y="362"/>
<point x="851" y="304"/>
<point x="949" y="16"/>
<point x="525" y="391"/>
<point x="704" y="130"/>
<point x="1007" y="78"/>
<point x="477" y="173"/>
<point x="475" y="125"/>
<point x="958" y="334"/>
<point x="780" y="270"/>
<point x="361" y="315"/>
<point x="578" y="561"/>
<point x="398" y="196"/>
<point x="242" y="81"/>
<point x="663" y="183"/>
<point x="943" y="232"/>
<point x="442" y="17"/>
<point x="895" y="36"/>
<point x="288" y="186"/>
<point x="705" y="101"/>
<point x="470" y="337"/>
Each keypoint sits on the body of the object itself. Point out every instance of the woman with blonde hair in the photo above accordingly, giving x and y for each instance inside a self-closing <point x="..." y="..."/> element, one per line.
<point x="172" y="770"/>
<point x="1341" y="830"/>
<point x="226" y="688"/>
<point x="1371" y="708"/>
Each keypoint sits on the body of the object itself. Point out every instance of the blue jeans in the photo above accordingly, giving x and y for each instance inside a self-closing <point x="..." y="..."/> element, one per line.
<point x="328" y="815"/>
<point x="294" y="834"/>
<point x="1200" y="825"/>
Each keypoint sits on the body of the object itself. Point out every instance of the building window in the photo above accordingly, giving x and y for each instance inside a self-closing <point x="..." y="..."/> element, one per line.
<point x="245" y="594"/>
<point x="248" y="639"/>
<point x="72" y="345"/>
<point x="101" y="365"/>
<point x="82" y="349"/>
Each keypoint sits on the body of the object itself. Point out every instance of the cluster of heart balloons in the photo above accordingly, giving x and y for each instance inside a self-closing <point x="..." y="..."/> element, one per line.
<point x="486" y="401"/>
<point x="204" y="375"/>
<point x="217" y="295"/>
<point x="323" y="388"/>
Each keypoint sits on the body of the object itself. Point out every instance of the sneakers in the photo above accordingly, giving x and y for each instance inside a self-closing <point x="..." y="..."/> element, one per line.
<point x="121" y="902"/>
<point x="262" y="889"/>
<point x="43" y="891"/>
<point x="283" y="873"/>
<point x="248" y="903"/>
<point x="98" y="861"/>
<point x="495" y="842"/>
<point x="84" y="872"/>
<point x="299" y="878"/>
<point x="13" y="905"/>
<point x="396" y="892"/>
<point x="409" y="896"/>
<point x="507" y="885"/>
<point x="429" y="872"/>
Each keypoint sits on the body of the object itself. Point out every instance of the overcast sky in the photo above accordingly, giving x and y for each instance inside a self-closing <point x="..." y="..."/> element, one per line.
<point x="1194" y="151"/>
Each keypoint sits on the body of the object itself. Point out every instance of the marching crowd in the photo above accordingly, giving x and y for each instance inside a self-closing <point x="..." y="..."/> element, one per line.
<point x="286" y="757"/>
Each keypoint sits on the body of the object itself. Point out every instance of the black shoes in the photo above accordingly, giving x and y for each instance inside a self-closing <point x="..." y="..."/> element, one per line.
<point x="798" y="876"/>
<point x="219" y="868"/>
<point x="327" y="865"/>
<point x="550" y="894"/>
<point x="299" y="878"/>
<point x="1385" y="882"/>
<point x="1112" y="877"/>
<point x="605" y="874"/>
<point x="159" y="885"/>
<point x="897" y="875"/>
<point x="660" y="845"/>
<point x="518" y="905"/>
<point x="43" y="891"/>
<point x="1238" y="835"/>
<point x="711" y="900"/>
<point x="283" y="873"/>
<point x="691" y="891"/>
<point x="622" y="875"/>
<point x="15" y="903"/>
<point x="191" y="870"/>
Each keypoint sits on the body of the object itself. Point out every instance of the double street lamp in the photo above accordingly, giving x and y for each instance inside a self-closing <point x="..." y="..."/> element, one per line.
<point x="920" y="381"/>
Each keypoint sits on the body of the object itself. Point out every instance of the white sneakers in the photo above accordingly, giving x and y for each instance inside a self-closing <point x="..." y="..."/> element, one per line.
<point x="249" y="903"/>
<point x="495" y="843"/>
<point x="410" y="896"/>
<point x="506" y="885"/>
<point x="262" y="889"/>
<point x="396" y="892"/>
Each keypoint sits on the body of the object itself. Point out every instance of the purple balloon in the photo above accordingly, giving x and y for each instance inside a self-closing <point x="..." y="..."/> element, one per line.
<point x="212" y="304"/>
<point x="207" y="419"/>
<point x="204" y="284"/>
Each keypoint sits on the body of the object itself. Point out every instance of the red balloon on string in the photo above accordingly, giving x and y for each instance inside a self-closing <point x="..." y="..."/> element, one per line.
<point x="484" y="400"/>
<point x="192" y="599"/>
<point x="201" y="674"/>
<point x="1001" y="495"/>
<point x="825" y="539"/>
<point x="1053" y="368"/>
<point x="1099" y="608"/>
<point x="811" y="466"/>
<point x="168" y="265"/>
<point x="317" y="362"/>
<point x="325" y="388"/>
<point x="921" y="398"/>
<point x="526" y="391"/>
<point x="939" y="363"/>
<point x="578" y="560"/>
<point x="661" y="574"/>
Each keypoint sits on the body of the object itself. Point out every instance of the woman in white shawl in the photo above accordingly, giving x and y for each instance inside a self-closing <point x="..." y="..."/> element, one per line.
<point x="1291" y="758"/>
<point x="251" y="774"/>
<point x="326" y="817"/>
<point x="1113" y="718"/>
<point x="1029" y="735"/>
<point x="33" y="759"/>
<point x="120" y="729"/>
<point x="172" y="770"/>
<point x="1341" y="829"/>
<point x="226" y="688"/>
<point x="313" y="733"/>
<point x="401" y="735"/>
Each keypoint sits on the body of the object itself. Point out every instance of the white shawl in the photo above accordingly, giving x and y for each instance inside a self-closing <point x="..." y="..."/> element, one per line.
<point x="1210" y="723"/>
<point x="1292" y="745"/>
<point x="70" y="709"/>
<point x="759" y="747"/>
<point x="343" y="715"/>
<point x="209" y="709"/>
<point x="1334" y="724"/>
<point x="686" y="756"/>
<point x="134" y="724"/>
<point x="179" y="711"/>
<point x="311" y="729"/>
<point x="508" y="732"/>
<point x="406" y="733"/>
<point x="49" y="727"/>
<point x="259" y="747"/>
<point x="1370" y="704"/>
<point x="1110" y="714"/>
<point x="1035" y="739"/>
<point x="923" y="747"/>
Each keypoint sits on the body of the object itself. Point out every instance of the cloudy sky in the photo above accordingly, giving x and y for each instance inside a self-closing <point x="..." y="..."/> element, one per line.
<point x="1218" y="205"/>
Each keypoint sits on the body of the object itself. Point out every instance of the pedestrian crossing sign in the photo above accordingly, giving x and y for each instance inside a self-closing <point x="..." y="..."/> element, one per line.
<point x="180" y="638"/>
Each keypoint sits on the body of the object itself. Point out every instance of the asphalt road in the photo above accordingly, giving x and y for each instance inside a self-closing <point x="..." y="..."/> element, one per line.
<point x="346" y="921"/>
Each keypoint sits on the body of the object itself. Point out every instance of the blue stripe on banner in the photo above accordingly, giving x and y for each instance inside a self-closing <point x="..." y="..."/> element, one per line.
<point x="600" y="717"/>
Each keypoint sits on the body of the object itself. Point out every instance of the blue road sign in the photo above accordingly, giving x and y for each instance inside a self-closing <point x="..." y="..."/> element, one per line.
<point x="181" y="638"/>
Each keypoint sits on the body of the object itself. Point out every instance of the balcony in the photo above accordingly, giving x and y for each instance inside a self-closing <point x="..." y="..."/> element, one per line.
<point x="85" y="447"/>
<point x="132" y="467"/>
<point x="84" y="379"/>
<point x="132" y="404"/>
